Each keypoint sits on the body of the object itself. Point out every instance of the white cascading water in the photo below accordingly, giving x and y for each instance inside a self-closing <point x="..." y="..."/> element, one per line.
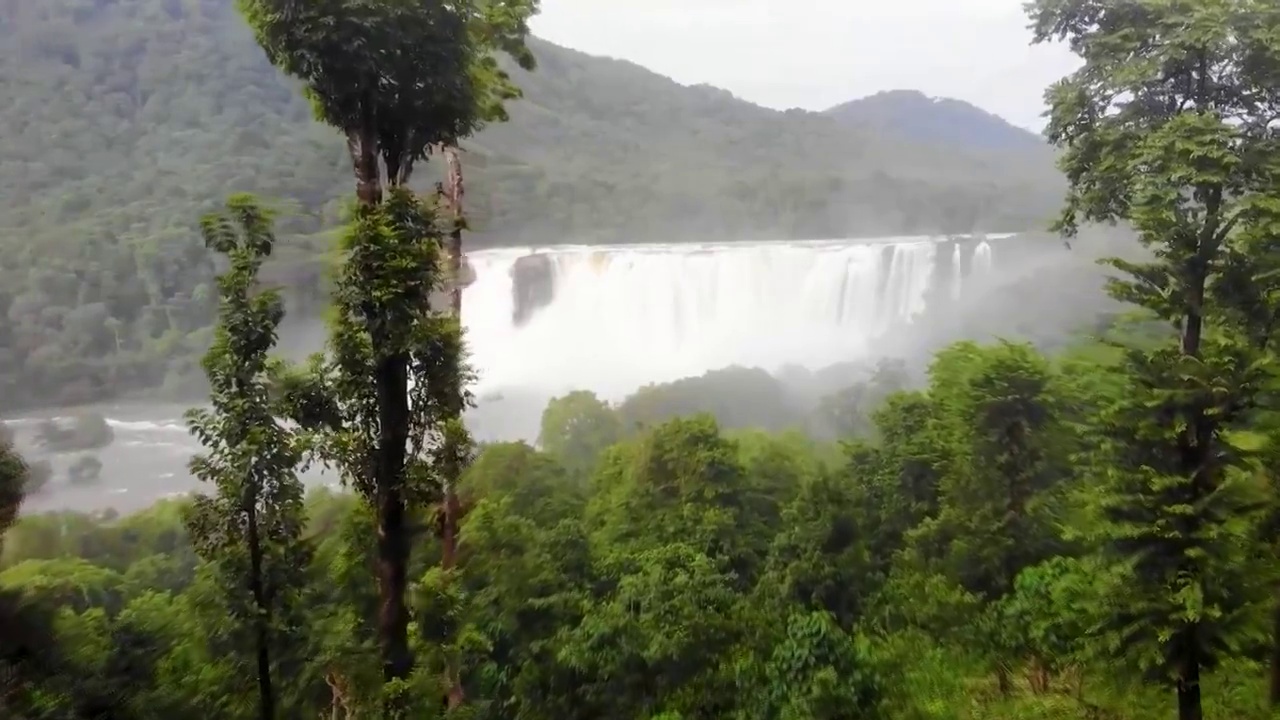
<point x="957" y="272"/>
<point x="624" y="316"/>
<point x="982" y="258"/>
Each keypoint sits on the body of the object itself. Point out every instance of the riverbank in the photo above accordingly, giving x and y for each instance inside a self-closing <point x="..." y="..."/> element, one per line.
<point x="147" y="461"/>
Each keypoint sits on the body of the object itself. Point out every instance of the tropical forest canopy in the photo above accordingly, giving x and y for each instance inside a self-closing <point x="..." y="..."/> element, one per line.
<point x="1085" y="534"/>
<point x="684" y="570"/>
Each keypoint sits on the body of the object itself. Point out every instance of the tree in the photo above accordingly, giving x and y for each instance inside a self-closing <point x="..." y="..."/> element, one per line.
<point x="819" y="560"/>
<point x="450" y="194"/>
<point x="13" y="480"/>
<point x="1169" y="126"/>
<point x="367" y="72"/>
<point x="817" y="671"/>
<point x="251" y="529"/>
<point x="848" y="412"/>
<point x="576" y="429"/>
<point x="523" y="571"/>
<point x="998" y="427"/>
<point x="18" y="649"/>
<point x="386" y="402"/>
<point x="901" y="475"/>
<point x="398" y="80"/>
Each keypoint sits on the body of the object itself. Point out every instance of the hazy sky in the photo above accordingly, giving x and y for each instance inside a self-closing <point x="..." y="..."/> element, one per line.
<point x="818" y="53"/>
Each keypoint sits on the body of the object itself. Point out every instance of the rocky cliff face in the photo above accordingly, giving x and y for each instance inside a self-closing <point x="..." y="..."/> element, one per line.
<point x="534" y="278"/>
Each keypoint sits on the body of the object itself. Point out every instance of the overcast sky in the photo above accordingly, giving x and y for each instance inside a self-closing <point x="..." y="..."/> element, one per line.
<point x="818" y="53"/>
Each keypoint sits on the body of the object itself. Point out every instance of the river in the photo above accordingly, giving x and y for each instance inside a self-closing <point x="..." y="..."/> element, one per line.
<point x="148" y="459"/>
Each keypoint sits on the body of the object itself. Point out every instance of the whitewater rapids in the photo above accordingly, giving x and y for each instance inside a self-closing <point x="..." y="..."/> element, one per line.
<point x="619" y="317"/>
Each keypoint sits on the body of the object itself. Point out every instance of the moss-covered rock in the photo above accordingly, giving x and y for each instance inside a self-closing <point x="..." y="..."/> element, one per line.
<point x="85" y="432"/>
<point x="85" y="471"/>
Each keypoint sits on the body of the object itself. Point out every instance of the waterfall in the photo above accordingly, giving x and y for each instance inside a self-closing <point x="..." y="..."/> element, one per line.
<point x="982" y="258"/>
<point x="611" y="319"/>
<point x="957" y="272"/>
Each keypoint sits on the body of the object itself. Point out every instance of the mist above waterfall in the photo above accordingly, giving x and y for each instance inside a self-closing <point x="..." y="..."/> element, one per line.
<point x="610" y="319"/>
<point x="819" y="315"/>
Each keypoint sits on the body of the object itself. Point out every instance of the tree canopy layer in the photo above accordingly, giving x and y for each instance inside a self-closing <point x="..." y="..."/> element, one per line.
<point x="943" y="562"/>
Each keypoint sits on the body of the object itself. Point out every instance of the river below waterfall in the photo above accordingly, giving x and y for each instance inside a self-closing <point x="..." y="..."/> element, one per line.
<point x="148" y="459"/>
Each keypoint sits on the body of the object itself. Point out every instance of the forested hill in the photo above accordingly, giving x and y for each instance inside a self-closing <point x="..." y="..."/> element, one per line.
<point x="606" y="149"/>
<point x="129" y="116"/>
<point x="939" y="120"/>
<point x="125" y="120"/>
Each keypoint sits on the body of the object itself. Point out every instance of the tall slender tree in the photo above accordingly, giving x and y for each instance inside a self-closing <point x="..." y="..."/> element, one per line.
<point x="398" y="79"/>
<point x="251" y="529"/>
<point x="1170" y="126"/>
<point x="451" y="192"/>
<point x="1245" y="297"/>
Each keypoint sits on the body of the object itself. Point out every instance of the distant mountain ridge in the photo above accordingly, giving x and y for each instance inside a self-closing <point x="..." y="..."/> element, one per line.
<point x="724" y="166"/>
<point x="168" y="105"/>
<point x="943" y="120"/>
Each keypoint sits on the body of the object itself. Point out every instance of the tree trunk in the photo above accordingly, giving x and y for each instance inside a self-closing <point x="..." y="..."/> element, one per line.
<point x="392" y="379"/>
<point x="1197" y="438"/>
<point x="364" y="160"/>
<point x="338" y="707"/>
<point x="1275" y="653"/>
<point x="362" y="145"/>
<point x="449" y="539"/>
<point x="1189" y="690"/>
<point x="1038" y="675"/>
<point x="261" y="620"/>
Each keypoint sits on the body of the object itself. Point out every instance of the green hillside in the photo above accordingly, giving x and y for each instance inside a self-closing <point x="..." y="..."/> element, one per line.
<point x="944" y="120"/>
<point x="125" y="120"/>
<point x="606" y="150"/>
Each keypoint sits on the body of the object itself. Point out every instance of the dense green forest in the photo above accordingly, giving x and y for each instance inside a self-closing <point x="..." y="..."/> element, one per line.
<point x="677" y="570"/>
<point x="1089" y="534"/>
<point x="125" y="120"/>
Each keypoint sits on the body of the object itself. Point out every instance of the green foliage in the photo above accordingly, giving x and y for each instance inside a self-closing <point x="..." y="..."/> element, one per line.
<point x="355" y="57"/>
<point x="65" y="582"/>
<point x="13" y="481"/>
<point x="739" y="397"/>
<point x="383" y="315"/>
<point x="1185" y="549"/>
<point x="578" y="427"/>
<point x="1168" y="126"/>
<point x="250" y="530"/>
<point x="820" y="672"/>
<point x="702" y="574"/>
<point x="993" y="516"/>
<point x="819" y="557"/>
<point x="848" y="413"/>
